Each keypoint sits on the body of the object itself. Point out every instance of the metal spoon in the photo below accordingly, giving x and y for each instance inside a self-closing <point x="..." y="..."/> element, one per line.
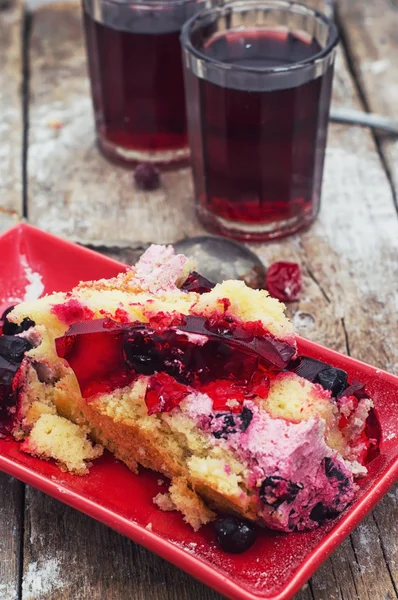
<point x="357" y="117"/>
<point x="219" y="258"/>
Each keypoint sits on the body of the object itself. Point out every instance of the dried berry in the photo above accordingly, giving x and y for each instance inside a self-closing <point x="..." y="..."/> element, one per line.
<point x="283" y="281"/>
<point x="235" y="535"/>
<point x="147" y="176"/>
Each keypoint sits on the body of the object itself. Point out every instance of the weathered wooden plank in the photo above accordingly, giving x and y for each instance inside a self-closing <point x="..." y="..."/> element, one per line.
<point x="370" y="30"/>
<point x="11" y="128"/>
<point x="346" y="303"/>
<point x="11" y="511"/>
<point x="73" y="191"/>
<point x="69" y="556"/>
<point x="11" y="491"/>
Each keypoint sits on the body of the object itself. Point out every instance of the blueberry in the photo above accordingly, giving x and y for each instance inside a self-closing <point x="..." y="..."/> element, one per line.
<point x="141" y="354"/>
<point x="7" y="371"/>
<point x="321" y="513"/>
<point x="335" y="380"/>
<point x="147" y="176"/>
<point x="6" y="312"/>
<point x="275" y="490"/>
<point x="333" y="471"/>
<point x="226" y="423"/>
<point x="235" y="535"/>
<point x="13" y="348"/>
<point x="12" y="328"/>
<point x="245" y="418"/>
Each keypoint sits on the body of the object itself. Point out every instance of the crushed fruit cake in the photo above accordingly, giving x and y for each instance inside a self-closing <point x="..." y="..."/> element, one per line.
<point x="200" y="382"/>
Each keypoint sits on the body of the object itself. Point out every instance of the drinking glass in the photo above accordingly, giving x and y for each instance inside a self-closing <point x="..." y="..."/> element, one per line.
<point x="258" y="80"/>
<point x="136" y="75"/>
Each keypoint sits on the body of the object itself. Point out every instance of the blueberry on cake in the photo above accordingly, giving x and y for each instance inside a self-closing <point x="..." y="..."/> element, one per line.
<point x="199" y="382"/>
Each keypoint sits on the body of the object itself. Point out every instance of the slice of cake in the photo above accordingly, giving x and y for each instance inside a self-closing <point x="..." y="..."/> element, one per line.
<point x="199" y="382"/>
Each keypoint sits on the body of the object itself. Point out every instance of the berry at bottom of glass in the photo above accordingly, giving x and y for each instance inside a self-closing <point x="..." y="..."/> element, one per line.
<point x="137" y="89"/>
<point x="257" y="153"/>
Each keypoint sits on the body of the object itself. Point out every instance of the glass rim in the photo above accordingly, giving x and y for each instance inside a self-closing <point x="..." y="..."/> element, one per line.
<point x="185" y="36"/>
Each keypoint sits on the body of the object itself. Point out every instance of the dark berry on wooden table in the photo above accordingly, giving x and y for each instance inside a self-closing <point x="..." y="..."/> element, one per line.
<point x="283" y="281"/>
<point x="197" y="283"/>
<point x="335" y="380"/>
<point x="147" y="176"/>
<point x="235" y="535"/>
<point x="275" y="490"/>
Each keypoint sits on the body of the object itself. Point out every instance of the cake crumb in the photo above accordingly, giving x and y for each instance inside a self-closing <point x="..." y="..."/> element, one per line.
<point x="160" y="481"/>
<point x="55" y="437"/>
<point x="164" y="502"/>
<point x="149" y="526"/>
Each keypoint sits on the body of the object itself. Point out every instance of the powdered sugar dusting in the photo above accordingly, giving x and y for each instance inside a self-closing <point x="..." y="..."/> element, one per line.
<point x="35" y="287"/>
<point x="32" y="291"/>
<point x="41" y="579"/>
<point x="8" y="592"/>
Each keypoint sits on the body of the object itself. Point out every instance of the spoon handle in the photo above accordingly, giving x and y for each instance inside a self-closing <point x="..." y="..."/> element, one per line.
<point x="356" y="117"/>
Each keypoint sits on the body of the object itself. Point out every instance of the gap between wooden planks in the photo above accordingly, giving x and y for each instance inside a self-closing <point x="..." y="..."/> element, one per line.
<point x="346" y="304"/>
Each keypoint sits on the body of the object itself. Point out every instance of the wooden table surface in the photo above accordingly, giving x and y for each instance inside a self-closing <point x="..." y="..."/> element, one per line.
<point x="52" y="175"/>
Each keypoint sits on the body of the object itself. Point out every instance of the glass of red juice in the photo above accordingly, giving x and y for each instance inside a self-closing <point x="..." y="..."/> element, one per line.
<point x="258" y="80"/>
<point x="136" y="75"/>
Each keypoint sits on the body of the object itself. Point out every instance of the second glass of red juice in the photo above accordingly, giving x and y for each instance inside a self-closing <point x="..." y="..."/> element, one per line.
<point x="136" y="75"/>
<point x="258" y="79"/>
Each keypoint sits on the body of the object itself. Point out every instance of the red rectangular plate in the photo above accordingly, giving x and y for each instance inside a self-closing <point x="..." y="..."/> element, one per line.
<point x="278" y="564"/>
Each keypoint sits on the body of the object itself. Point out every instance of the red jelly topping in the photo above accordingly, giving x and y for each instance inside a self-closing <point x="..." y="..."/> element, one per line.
<point x="283" y="281"/>
<point x="197" y="283"/>
<point x="222" y="392"/>
<point x="164" y="393"/>
<point x="105" y="355"/>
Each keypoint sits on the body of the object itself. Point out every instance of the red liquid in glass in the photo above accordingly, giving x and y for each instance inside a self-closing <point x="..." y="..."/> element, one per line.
<point x="263" y="151"/>
<point x="137" y="88"/>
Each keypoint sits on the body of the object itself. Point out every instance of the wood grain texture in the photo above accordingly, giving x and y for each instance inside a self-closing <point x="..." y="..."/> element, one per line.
<point x="349" y="303"/>
<point x="371" y="32"/>
<point x="11" y="510"/>
<point x="11" y="127"/>
<point x="72" y="190"/>
<point x="69" y="556"/>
